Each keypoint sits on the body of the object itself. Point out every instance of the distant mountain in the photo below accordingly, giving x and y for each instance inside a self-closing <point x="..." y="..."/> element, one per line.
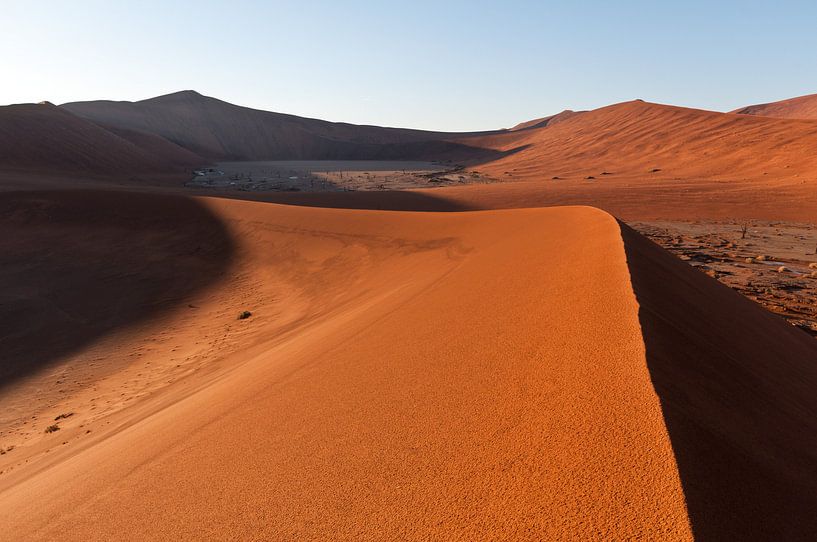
<point x="47" y="138"/>
<point x="218" y="130"/>
<point x="803" y="107"/>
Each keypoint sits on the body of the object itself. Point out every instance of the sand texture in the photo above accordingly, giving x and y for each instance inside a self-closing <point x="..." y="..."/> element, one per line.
<point x="521" y="374"/>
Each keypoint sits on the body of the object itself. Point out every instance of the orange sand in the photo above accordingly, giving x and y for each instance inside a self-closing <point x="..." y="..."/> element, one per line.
<point x="434" y="385"/>
<point x="634" y="138"/>
<point x="487" y="375"/>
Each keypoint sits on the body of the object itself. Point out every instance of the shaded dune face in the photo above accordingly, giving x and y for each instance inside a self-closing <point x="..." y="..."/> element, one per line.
<point x="78" y="265"/>
<point x="737" y="389"/>
<point x="398" y="200"/>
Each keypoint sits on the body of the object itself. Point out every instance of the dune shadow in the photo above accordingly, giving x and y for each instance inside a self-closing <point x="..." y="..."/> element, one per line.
<point x="441" y="150"/>
<point x="738" y="392"/>
<point x="76" y="265"/>
<point x="380" y="200"/>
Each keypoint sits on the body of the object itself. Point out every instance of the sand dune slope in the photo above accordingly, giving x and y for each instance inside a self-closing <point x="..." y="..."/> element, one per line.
<point x="546" y="121"/>
<point x="645" y="139"/>
<point x="523" y="374"/>
<point x="464" y="385"/>
<point x="222" y="131"/>
<point x="802" y="107"/>
<point x="44" y="137"/>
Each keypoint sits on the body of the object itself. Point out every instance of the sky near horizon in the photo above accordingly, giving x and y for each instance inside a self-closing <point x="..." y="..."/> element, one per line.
<point x="456" y="65"/>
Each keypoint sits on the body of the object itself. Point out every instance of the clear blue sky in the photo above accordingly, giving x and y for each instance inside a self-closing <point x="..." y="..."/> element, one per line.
<point x="457" y="65"/>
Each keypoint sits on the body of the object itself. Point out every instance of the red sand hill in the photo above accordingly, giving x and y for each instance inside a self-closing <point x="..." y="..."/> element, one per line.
<point x="546" y="121"/>
<point x="44" y="137"/>
<point x="802" y="107"/>
<point x="639" y="139"/>
<point x="223" y="131"/>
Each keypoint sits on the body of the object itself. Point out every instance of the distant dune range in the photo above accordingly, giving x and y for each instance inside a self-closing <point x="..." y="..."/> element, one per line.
<point x="177" y="132"/>
<point x="634" y="139"/>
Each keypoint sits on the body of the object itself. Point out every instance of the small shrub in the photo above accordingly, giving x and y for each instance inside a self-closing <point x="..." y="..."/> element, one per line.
<point x="782" y="269"/>
<point x="52" y="428"/>
<point x="244" y="315"/>
<point x="812" y="266"/>
<point x="761" y="258"/>
<point x="63" y="416"/>
<point x="749" y="260"/>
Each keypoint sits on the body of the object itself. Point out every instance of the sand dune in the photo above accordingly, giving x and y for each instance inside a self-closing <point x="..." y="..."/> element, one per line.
<point x="222" y="131"/>
<point x="643" y="139"/>
<point x="43" y="137"/>
<point x="802" y="107"/>
<point x="546" y="121"/>
<point x="523" y="374"/>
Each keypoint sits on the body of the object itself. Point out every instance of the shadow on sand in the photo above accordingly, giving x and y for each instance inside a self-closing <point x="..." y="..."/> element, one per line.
<point x="738" y="390"/>
<point x="79" y="264"/>
<point x="397" y="200"/>
<point x="76" y="265"/>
